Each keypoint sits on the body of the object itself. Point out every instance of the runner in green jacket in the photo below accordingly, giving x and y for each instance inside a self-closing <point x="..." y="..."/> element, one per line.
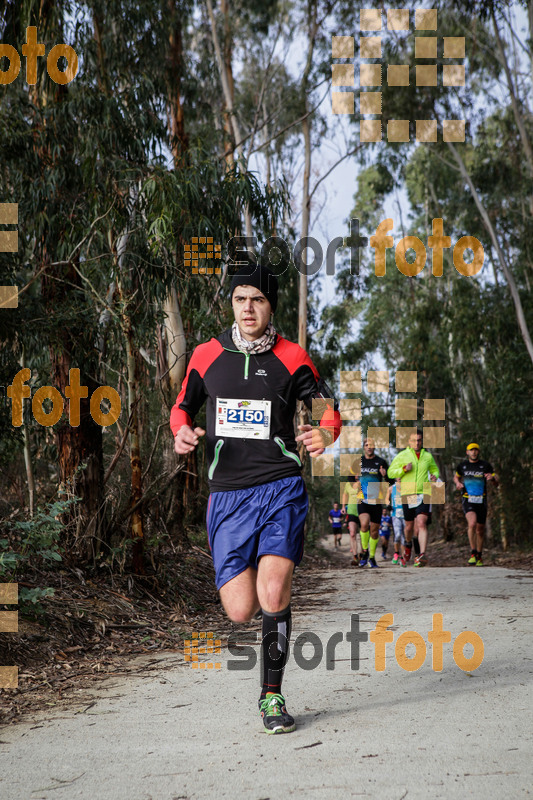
<point x="414" y="466"/>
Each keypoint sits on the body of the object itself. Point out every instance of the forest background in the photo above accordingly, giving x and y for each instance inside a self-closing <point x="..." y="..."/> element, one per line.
<point x="203" y="119"/>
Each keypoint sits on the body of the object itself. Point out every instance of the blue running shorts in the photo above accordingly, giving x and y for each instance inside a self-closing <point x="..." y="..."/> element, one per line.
<point x="245" y="524"/>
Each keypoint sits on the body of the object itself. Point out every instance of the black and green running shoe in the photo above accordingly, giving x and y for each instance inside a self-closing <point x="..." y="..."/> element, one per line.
<point x="274" y="714"/>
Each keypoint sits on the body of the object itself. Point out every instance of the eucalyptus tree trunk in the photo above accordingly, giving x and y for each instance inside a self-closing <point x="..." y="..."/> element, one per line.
<point x="172" y="352"/>
<point x="79" y="448"/>
<point x="304" y="233"/>
<point x="530" y="18"/>
<point x="178" y="138"/>
<point x="228" y="67"/>
<point x="119" y="249"/>
<point x="226" y="79"/>
<point x="303" y="415"/>
<point x="27" y="449"/>
<point x="176" y="350"/>
<point x="509" y="277"/>
<point x="312" y="26"/>
<point x="136" y="519"/>
<point x="173" y="324"/>
<point x="515" y="101"/>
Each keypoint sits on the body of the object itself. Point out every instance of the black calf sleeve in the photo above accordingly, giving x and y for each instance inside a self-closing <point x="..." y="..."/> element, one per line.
<point x="274" y="649"/>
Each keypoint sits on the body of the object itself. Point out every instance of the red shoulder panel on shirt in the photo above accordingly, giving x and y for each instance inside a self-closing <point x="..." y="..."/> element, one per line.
<point x="293" y="356"/>
<point x="204" y="355"/>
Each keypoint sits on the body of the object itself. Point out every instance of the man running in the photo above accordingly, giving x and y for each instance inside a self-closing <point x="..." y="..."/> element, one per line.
<point x="413" y="465"/>
<point x="335" y="519"/>
<point x="471" y="478"/>
<point x="349" y="507"/>
<point x="251" y="379"/>
<point x="385" y="531"/>
<point x="373" y="470"/>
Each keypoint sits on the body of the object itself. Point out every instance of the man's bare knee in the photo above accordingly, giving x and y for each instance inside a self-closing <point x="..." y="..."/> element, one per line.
<point x="239" y="615"/>
<point x="239" y="612"/>
<point x="274" y="598"/>
<point x="275" y="594"/>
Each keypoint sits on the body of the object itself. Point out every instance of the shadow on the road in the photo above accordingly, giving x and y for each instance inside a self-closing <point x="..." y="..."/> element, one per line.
<point x="433" y="688"/>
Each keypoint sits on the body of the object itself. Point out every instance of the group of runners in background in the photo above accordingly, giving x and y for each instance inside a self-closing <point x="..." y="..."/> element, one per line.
<point x="378" y="500"/>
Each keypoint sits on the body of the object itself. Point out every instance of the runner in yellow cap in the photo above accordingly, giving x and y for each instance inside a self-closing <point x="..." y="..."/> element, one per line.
<point x="471" y="478"/>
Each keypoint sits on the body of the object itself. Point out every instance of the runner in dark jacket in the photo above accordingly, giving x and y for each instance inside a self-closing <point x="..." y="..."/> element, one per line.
<point x="251" y="379"/>
<point x="471" y="478"/>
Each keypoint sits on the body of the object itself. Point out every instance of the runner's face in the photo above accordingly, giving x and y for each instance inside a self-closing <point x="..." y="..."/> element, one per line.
<point x="473" y="454"/>
<point x="416" y="442"/>
<point x="252" y="311"/>
<point x="368" y="447"/>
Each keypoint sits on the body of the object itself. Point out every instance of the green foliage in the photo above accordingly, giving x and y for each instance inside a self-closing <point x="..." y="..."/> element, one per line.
<point x="39" y="537"/>
<point x="30" y="599"/>
<point x="34" y="544"/>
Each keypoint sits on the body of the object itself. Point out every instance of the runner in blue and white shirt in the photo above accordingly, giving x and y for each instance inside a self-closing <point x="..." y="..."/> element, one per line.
<point x="335" y="518"/>
<point x="471" y="477"/>
<point x="398" y="521"/>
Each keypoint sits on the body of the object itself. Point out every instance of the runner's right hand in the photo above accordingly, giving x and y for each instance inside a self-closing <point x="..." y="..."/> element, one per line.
<point x="186" y="439"/>
<point x="407" y="467"/>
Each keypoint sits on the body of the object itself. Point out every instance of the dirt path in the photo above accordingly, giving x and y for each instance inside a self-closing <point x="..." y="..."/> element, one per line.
<point x="184" y="733"/>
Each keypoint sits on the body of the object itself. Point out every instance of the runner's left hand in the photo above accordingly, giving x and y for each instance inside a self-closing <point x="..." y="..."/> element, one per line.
<point x="311" y="439"/>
